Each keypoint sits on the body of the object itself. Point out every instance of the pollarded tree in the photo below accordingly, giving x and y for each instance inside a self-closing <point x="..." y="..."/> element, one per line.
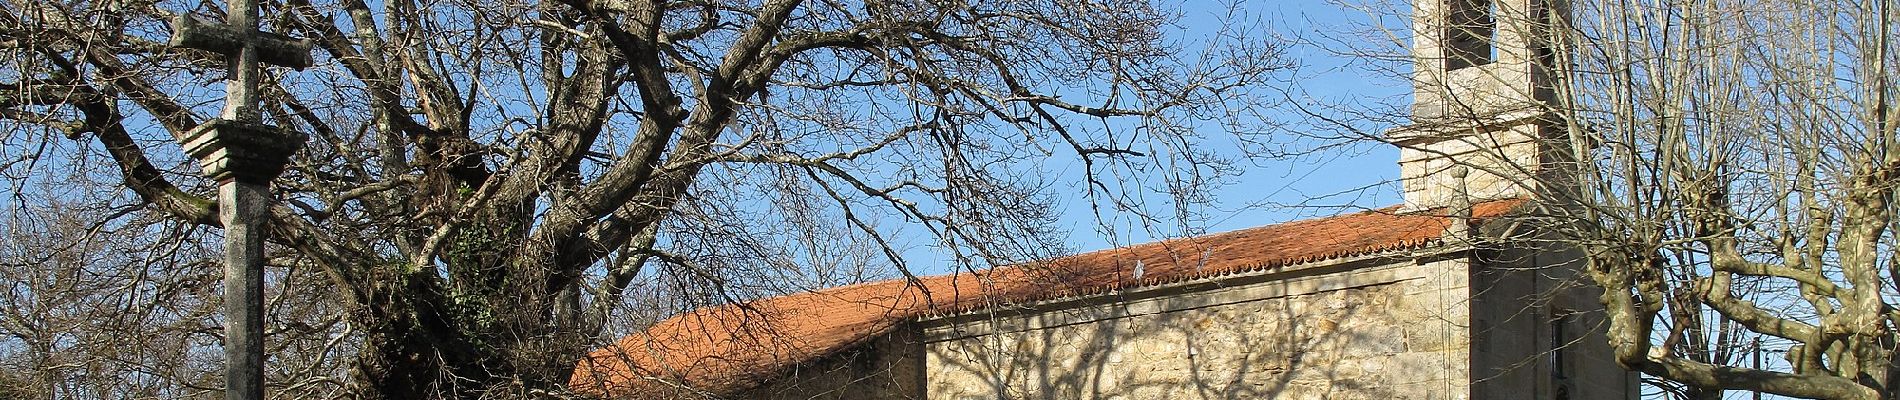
<point x="484" y="180"/>
<point x="1744" y="172"/>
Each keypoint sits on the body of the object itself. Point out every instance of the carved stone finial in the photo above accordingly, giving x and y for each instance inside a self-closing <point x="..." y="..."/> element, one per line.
<point x="1460" y="211"/>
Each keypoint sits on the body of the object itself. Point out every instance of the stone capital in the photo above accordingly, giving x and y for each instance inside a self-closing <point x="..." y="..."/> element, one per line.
<point x="241" y="151"/>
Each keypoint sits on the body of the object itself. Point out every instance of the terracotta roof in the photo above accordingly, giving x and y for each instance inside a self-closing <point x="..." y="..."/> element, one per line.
<point x="728" y="349"/>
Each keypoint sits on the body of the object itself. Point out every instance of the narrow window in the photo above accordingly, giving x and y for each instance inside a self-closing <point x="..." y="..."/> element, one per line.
<point x="1559" y="350"/>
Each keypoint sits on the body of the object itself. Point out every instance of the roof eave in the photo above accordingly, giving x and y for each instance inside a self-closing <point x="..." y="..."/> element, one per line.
<point x="1423" y="251"/>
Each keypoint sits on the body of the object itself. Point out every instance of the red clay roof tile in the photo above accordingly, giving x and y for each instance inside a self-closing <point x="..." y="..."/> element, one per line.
<point x="731" y="348"/>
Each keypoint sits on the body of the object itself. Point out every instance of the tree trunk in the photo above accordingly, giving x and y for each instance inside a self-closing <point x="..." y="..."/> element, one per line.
<point x="418" y="348"/>
<point x="428" y="340"/>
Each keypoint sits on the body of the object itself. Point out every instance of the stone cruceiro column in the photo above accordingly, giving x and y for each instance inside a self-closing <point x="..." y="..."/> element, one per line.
<point x="243" y="155"/>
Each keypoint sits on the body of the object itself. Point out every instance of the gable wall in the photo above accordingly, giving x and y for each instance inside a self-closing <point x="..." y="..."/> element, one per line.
<point x="1537" y="327"/>
<point x="1385" y="331"/>
<point x="889" y="367"/>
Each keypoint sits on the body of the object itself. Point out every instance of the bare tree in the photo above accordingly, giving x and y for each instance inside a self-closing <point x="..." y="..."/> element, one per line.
<point x="105" y="300"/>
<point x="486" y="181"/>
<point x="1728" y="168"/>
<point x="1745" y="147"/>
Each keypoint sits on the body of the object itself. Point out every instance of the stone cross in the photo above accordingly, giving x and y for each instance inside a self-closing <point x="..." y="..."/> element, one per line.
<point x="243" y="155"/>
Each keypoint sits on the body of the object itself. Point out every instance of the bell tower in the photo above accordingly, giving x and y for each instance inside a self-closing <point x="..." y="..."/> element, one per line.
<point x="1482" y="97"/>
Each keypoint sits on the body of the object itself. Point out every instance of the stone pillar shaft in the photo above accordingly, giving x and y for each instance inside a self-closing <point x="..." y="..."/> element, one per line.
<point x="242" y="207"/>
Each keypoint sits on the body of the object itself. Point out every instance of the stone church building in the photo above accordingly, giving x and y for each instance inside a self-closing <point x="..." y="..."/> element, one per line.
<point x="1447" y="296"/>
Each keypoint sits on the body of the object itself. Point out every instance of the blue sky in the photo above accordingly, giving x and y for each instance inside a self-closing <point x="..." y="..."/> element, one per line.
<point x="1329" y="181"/>
<point x="1322" y="40"/>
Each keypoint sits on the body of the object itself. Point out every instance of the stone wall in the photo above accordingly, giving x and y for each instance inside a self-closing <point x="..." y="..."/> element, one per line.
<point x="1371" y="328"/>
<point x="1387" y="332"/>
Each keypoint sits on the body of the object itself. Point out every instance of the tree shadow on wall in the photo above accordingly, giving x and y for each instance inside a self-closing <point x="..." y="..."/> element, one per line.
<point x="1330" y="344"/>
